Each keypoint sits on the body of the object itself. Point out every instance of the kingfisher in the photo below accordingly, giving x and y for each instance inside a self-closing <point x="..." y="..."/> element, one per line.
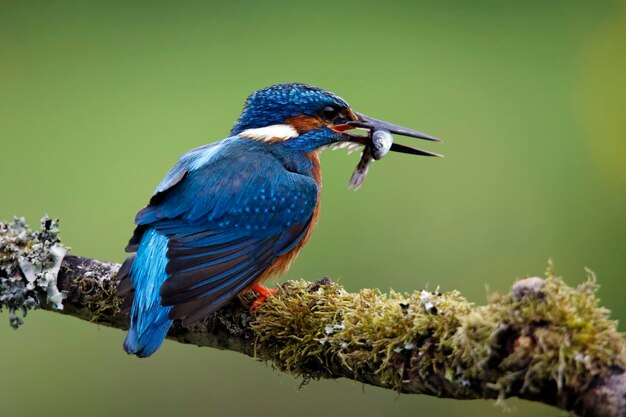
<point x="232" y="213"/>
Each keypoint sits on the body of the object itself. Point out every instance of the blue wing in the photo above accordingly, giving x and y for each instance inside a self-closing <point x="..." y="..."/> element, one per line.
<point x="228" y="212"/>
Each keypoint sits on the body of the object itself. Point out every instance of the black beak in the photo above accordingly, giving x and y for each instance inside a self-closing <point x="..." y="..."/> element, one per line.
<point x="366" y="122"/>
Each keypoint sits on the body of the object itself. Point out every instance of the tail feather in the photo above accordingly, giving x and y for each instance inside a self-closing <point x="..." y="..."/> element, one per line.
<point x="146" y="343"/>
<point x="149" y="322"/>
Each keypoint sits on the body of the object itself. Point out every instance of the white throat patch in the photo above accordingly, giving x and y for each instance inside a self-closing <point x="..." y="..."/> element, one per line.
<point x="273" y="133"/>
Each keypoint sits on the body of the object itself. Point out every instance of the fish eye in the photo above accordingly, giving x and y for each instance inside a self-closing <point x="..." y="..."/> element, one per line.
<point x="330" y="112"/>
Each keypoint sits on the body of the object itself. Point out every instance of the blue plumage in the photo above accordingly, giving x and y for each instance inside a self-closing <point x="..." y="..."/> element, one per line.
<point x="218" y="219"/>
<point x="150" y="322"/>
<point x="231" y="213"/>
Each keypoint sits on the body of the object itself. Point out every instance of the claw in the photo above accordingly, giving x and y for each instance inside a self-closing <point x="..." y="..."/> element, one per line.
<point x="264" y="294"/>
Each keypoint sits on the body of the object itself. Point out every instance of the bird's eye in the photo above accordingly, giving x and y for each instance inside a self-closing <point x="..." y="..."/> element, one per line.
<point x="330" y="112"/>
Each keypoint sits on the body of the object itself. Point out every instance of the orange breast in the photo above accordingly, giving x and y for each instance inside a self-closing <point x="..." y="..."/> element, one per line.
<point x="283" y="262"/>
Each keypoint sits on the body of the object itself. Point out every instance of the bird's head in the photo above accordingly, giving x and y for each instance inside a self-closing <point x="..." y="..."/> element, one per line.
<point x="308" y="118"/>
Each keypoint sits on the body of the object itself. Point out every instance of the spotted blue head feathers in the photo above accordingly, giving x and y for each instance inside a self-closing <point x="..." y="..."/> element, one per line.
<point x="278" y="103"/>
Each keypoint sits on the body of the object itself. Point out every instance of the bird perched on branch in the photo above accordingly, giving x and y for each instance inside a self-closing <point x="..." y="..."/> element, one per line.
<point x="232" y="213"/>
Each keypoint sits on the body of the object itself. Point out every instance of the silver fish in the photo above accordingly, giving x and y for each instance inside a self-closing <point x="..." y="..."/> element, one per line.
<point x="380" y="143"/>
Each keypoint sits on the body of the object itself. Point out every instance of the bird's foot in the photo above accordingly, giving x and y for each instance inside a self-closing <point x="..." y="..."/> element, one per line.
<point x="264" y="294"/>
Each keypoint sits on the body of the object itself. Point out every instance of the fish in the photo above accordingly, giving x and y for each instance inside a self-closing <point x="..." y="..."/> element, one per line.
<point x="378" y="146"/>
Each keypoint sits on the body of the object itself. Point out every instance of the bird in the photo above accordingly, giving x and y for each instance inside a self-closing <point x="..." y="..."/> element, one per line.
<point x="232" y="213"/>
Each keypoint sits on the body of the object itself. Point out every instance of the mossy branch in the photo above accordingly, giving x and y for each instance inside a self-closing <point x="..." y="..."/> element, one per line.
<point x="543" y="341"/>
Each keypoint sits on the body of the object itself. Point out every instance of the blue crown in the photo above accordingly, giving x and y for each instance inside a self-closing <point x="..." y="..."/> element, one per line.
<point x="276" y="103"/>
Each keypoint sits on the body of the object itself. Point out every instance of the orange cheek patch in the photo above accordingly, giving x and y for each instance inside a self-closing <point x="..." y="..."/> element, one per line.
<point x="304" y="123"/>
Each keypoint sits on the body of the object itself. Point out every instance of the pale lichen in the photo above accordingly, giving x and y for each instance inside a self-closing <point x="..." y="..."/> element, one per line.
<point x="29" y="264"/>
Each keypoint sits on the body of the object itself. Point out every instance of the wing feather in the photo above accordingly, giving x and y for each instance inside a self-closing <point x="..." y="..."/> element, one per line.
<point x="227" y="216"/>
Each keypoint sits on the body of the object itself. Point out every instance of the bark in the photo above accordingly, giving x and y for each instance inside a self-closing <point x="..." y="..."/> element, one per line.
<point x="543" y="341"/>
<point x="90" y="287"/>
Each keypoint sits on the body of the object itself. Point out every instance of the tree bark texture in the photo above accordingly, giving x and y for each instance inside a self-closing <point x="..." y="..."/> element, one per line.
<point x="543" y="341"/>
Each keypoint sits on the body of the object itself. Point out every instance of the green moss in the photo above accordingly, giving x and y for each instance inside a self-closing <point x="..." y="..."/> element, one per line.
<point x="305" y="330"/>
<point x="560" y="333"/>
<point x="541" y="331"/>
<point x="98" y="294"/>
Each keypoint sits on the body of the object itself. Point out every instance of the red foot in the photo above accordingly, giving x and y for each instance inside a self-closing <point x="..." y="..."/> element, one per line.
<point x="264" y="294"/>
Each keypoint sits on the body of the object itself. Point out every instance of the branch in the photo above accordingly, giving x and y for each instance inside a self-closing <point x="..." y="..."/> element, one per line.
<point x="543" y="341"/>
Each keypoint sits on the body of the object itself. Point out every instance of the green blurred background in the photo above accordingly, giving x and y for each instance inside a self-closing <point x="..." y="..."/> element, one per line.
<point x="98" y="99"/>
